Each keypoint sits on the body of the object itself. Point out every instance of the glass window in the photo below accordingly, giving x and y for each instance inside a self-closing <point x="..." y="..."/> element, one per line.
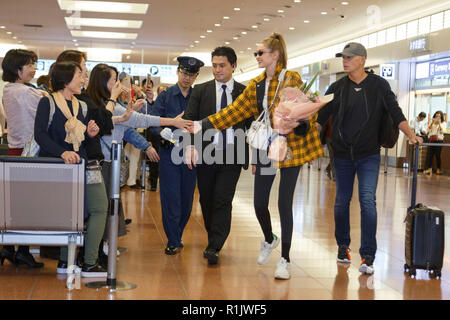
<point x="438" y="103"/>
<point x="447" y="112"/>
<point x="412" y="29"/>
<point x="422" y="104"/>
<point x="437" y="22"/>
<point x="381" y="38"/>
<point x="401" y="32"/>
<point x="391" y="35"/>
<point x="447" y="19"/>
<point x="424" y="25"/>
<point x="372" y="40"/>
<point x="365" y="41"/>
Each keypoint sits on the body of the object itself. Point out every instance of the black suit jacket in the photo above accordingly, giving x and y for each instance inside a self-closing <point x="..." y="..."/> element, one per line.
<point x="202" y="104"/>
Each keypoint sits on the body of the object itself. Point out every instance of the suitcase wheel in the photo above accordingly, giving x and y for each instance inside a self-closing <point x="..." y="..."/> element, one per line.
<point x="406" y="268"/>
<point x="412" y="273"/>
<point x="435" y="274"/>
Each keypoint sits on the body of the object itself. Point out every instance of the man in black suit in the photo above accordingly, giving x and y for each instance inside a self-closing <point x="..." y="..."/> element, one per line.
<point x="217" y="181"/>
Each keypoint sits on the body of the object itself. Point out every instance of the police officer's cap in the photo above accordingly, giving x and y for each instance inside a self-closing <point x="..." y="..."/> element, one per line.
<point x="190" y="64"/>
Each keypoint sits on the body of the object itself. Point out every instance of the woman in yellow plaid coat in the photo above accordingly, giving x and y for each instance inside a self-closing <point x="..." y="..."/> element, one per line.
<point x="304" y="144"/>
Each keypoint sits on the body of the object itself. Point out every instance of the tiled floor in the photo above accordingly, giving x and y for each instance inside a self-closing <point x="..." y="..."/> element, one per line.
<point x="315" y="273"/>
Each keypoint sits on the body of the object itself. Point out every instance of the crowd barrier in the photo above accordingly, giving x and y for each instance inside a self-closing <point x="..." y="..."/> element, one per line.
<point x="42" y="203"/>
<point x="412" y="156"/>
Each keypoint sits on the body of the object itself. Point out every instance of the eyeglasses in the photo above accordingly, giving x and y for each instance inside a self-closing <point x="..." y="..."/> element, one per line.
<point x="259" y="53"/>
<point x="188" y="75"/>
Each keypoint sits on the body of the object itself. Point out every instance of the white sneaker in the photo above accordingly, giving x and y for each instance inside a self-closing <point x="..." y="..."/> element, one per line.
<point x="283" y="270"/>
<point x="367" y="265"/>
<point x="266" y="249"/>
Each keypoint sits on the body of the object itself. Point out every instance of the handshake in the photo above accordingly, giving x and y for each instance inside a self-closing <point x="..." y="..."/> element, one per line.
<point x="187" y="126"/>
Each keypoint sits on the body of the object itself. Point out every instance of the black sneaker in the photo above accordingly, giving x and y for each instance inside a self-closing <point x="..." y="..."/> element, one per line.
<point x="93" y="271"/>
<point x="344" y="254"/>
<point x="171" y="250"/>
<point x="367" y="265"/>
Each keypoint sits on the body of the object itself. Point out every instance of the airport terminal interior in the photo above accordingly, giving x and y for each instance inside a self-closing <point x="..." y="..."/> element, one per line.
<point x="407" y="45"/>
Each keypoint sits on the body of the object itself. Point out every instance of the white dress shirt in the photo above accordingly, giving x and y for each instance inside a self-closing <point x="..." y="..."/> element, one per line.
<point x="219" y="91"/>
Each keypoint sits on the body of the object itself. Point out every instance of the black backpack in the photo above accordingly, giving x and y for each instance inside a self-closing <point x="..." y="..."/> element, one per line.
<point x="388" y="134"/>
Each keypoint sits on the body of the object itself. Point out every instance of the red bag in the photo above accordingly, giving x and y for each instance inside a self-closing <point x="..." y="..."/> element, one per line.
<point x="433" y="138"/>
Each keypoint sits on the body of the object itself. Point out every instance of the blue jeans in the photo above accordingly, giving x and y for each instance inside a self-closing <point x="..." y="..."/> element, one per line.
<point x="367" y="170"/>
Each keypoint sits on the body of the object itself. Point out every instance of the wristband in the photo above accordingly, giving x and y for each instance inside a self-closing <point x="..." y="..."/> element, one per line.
<point x="114" y="101"/>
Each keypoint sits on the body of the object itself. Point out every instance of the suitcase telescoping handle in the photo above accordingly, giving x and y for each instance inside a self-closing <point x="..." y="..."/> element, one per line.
<point x="414" y="184"/>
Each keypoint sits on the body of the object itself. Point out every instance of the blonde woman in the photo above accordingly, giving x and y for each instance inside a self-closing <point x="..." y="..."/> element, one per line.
<point x="304" y="143"/>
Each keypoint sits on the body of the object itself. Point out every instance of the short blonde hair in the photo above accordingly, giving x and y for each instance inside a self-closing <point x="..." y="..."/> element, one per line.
<point x="276" y="43"/>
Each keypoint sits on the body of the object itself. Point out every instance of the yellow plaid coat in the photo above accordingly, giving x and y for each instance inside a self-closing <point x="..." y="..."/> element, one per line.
<point x="304" y="149"/>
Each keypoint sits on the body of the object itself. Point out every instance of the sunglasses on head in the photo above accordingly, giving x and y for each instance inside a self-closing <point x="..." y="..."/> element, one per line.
<point x="259" y="53"/>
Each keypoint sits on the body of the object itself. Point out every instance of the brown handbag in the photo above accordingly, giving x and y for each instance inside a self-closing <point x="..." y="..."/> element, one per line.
<point x="433" y="138"/>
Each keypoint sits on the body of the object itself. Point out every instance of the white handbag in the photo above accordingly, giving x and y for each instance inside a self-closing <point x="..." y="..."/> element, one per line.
<point x="260" y="132"/>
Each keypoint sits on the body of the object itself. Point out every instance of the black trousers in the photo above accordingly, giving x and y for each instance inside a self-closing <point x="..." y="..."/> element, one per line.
<point x="154" y="166"/>
<point x="217" y="185"/>
<point x="264" y="178"/>
<point x="434" y="151"/>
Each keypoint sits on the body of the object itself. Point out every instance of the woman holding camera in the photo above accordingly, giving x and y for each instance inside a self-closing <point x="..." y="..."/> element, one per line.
<point x="436" y="131"/>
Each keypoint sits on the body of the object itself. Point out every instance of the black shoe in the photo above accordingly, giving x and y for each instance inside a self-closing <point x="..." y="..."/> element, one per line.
<point x="80" y="257"/>
<point x="103" y="259"/>
<point x="62" y="267"/>
<point x="171" y="250"/>
<point x="212" y="255"/>
<point x="93" y="271"/>
<point x="8" y="255"/>
<point x="127" y="221"/>
<point x="28" y="259"/>
<point x="135" y="186"/>
<point x="153" y="189"/>
<point x="344" y="254"/>
<point x="49" y="252"/>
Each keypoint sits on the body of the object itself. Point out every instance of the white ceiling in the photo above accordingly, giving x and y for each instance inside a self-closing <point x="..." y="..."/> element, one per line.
<point x="171" y="26"/>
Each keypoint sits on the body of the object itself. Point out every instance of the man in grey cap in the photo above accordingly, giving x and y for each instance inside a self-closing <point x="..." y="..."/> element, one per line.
<point x="176" y="181"/>
<point x="360" y="99"/>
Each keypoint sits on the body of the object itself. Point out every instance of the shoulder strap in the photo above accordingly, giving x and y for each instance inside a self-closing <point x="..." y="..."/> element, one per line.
<point x="109" y="147"/>
<point x="83" y="107"/>
<point x="52" y="110"/>
<point x="280" y="81"/>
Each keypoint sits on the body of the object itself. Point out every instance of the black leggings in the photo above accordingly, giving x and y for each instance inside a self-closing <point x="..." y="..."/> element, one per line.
<point x="264" y="177"/>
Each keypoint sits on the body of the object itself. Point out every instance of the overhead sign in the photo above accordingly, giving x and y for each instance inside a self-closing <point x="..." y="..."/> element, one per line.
<point x="419" y="44"/>
<point x="133" y="69"/>
<point x="387" y="71"/>
<point x="440" y="68"/>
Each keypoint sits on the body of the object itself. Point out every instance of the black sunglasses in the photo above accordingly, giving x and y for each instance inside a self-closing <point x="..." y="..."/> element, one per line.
<point x="259" y="53"/>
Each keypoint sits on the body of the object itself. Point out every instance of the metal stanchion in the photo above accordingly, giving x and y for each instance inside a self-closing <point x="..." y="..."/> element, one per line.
<point x="143" y="171"/>
<point x="114" y="194"/>
<point x="385" y="159"/>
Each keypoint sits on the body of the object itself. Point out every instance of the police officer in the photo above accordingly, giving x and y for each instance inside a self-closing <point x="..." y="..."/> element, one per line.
<point x="177" y="182"/>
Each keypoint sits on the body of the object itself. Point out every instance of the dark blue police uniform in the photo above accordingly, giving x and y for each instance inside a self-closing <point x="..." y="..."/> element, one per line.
<point x="177" y="181"/>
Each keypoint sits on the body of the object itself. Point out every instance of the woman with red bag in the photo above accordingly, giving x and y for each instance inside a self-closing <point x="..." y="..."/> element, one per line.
<point x="436" y="131"/>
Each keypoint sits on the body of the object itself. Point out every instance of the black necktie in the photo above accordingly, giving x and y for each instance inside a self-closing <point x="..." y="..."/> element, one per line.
<point x="223" y="104"/>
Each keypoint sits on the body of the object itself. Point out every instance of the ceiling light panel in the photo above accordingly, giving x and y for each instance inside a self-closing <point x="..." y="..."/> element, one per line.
<point x="103" y="23"/>
<point x="103" y="6"/>
<point x="100" y="34"/>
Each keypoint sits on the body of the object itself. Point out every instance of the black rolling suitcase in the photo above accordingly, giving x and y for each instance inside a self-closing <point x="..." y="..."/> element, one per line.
<point x="424" y="236"/>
